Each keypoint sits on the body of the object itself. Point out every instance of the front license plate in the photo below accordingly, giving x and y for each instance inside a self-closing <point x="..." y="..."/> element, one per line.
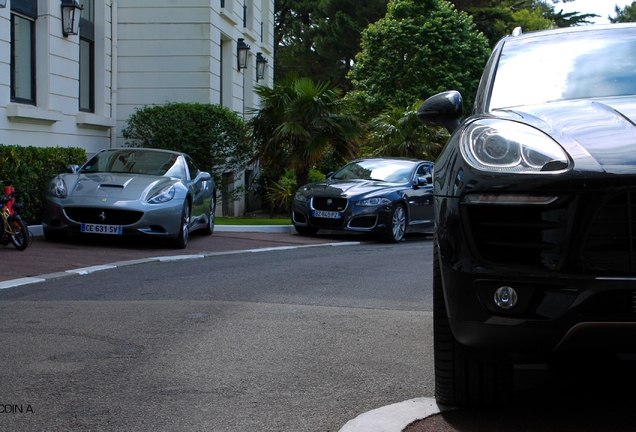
<point x="102" y="229"/>
<point x="327" y="214"/>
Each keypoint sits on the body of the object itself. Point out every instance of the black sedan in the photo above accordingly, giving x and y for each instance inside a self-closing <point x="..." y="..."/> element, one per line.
<point x="387" y="196"/>
<point x="535" y="210"/>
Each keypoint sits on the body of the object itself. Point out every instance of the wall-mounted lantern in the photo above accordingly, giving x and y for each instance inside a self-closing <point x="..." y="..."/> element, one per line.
<point x="241" y="51"/>
<point x="3" y="3"/>
<point x="71" y="11"/>
<point x="261" y="64"/>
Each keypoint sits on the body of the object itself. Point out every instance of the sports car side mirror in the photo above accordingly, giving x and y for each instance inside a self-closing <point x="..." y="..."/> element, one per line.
<point x="203" y="176"/>
<point x="443" y="109"/>
<point x="73" y="169"/>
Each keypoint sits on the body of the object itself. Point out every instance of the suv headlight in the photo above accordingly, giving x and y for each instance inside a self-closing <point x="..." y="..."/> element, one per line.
<point x="164" y="195"/>
<point x="58" y="188"/>
<point x="506" y="146"/>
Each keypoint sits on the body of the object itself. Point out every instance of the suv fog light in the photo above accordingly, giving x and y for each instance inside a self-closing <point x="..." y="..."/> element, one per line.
<point x="506" y="297"/>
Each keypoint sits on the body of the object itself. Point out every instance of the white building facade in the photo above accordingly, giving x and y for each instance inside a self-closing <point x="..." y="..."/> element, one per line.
<point x="77" y="90"/>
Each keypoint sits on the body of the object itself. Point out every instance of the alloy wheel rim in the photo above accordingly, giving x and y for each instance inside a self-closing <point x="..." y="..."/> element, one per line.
<point x="399" y="222"/>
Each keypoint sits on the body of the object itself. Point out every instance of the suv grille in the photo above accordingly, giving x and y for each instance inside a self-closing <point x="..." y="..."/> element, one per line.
<point x="611" y="305"/>
<point x="109" y="216"/>
<point x="518" y="235"/>
<point x="610" y="243"/>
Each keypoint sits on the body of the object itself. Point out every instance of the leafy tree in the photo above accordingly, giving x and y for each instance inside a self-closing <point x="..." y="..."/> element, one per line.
<point x="626" y="14"/>
<point x="397" y="131"/>
<point x="421" y="47"/>
<point x="320" y="38"/>
<point x="300" y="121"/>
<point x="211" y="134"/>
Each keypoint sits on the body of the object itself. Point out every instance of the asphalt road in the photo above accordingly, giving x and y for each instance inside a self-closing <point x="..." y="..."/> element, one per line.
<point x="302" y="339"/>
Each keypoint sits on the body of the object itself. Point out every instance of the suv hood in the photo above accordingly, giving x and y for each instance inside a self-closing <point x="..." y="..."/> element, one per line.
<point x="604" y="130"/>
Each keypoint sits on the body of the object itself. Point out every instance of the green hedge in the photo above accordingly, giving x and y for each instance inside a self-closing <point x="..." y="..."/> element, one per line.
<point x="31" y="169"/>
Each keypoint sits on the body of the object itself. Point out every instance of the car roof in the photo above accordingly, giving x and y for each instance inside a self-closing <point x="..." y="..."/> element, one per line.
<point x="559" y="31"/>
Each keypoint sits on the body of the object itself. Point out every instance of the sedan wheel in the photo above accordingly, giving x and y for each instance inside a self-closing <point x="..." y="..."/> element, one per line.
<point x="184" y="232"/>
<point x="397" y="226"/>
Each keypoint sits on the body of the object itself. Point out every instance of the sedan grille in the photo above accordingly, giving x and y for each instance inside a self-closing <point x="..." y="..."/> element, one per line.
<point x="610" y="243"/>
<point x="329" y="204"/>
<point x="103" y="216"/>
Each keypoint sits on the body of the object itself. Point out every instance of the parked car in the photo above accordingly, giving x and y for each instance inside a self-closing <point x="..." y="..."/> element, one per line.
<point x="387" y="196"/>
<point x="126" y="191"/>
<point x="535" y="210"/>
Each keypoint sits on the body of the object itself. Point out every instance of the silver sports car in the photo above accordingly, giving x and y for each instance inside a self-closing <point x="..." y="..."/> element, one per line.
<point x="125" y="191"/>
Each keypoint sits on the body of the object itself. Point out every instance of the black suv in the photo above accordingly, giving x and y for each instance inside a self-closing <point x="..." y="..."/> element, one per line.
<point x="535" y="209"/>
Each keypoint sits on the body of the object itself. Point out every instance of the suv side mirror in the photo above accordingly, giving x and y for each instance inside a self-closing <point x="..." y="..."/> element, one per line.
<point x="443" y="109"/>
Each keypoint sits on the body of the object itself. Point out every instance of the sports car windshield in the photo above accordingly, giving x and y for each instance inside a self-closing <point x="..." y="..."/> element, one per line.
<point x="578" y="65"/>
<point x="135" y="161"/>
<point x="386" y="171"/>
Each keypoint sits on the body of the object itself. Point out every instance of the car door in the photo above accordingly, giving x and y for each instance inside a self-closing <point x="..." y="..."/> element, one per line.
<point x="199" y="188"/>
<point x="420" y="198"/>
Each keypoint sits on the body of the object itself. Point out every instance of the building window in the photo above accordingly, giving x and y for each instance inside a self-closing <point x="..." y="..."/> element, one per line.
<point x="87" y="58"/>
<point x="23" y="52"/>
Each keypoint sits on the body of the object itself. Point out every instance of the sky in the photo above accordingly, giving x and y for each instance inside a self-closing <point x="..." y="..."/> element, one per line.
<point x="598" y="7"/>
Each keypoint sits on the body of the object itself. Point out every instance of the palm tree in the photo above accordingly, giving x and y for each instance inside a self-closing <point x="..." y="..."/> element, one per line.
<point x="397" y="131"/>
<point x="300" y="121"/>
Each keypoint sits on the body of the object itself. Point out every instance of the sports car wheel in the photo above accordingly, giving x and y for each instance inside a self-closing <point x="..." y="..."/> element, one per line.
<point x="306" y="231"/>
<point x="464" y="377"/>
<point x="397" y="226"/>
<point x="209" y="229"/>
<point x="184" y="231"/>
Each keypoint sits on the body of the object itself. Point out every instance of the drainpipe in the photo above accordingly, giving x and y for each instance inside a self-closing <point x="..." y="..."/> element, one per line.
<point x="113" y="71"/>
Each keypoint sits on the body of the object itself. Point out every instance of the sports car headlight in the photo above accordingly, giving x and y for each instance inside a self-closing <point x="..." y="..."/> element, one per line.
<point x="164" y="195"/>
<point x="374" y="202"/>
<point x="58" y="188"/>
<point x="506" y="146"/>
<point x="300" y="197"/>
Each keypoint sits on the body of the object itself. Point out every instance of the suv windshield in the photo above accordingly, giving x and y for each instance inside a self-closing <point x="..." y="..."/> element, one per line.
<point x="578" y="65"/>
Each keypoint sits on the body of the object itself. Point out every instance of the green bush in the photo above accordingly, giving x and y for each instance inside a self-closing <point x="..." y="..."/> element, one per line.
<point x="212" y="135"/>
<point x="31" y="169"/>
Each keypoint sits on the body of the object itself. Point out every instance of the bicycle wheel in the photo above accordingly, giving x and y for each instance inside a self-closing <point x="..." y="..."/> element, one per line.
<point x="20" y="236"/>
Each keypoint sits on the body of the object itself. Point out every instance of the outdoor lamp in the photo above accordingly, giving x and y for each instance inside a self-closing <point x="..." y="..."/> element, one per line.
<point x="3" y="3"/>
<point x="261" y="63"/>
<point x="241" y="50"/>
<point x="70" y="17"/>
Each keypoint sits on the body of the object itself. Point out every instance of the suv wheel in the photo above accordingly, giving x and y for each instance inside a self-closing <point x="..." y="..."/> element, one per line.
<point x="464" y="377"/>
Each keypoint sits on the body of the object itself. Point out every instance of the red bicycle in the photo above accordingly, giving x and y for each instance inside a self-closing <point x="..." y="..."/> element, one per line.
<point x="12" y="228"/>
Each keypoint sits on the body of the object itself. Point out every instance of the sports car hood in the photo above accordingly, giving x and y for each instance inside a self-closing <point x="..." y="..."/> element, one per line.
<point x="120" y="186"/>
<point x="604" y="130"/>
<point x="346" y="188"/>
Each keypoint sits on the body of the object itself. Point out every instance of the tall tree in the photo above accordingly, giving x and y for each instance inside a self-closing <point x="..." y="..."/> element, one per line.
<point x="421" y="47"/>
<point x="626" y="14"/>
<point x="397" y="131"/>
<point x="299" y="122"/>
<point x="320" y="38"/>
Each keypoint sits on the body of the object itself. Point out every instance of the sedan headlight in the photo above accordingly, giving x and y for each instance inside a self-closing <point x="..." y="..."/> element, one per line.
<point x="164" y="195"/>
<point x="58" y="188"/>
<point x="300" y="197"/>
<point x="506" y="146"/>
<point x="373" y="202"/>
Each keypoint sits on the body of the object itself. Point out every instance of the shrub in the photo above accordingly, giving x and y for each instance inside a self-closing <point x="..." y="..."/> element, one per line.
<point x="31" y="169"/>
<point x="211" y="134"/>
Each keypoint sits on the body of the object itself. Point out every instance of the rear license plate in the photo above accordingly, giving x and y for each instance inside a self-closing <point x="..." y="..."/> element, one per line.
<point x="102" y="229"/>
<point x="327" y="214"/>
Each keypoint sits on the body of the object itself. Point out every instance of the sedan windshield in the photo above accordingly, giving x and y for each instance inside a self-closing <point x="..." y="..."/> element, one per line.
<point x="135" y="161"/>
<point x="392" y="171"/>
<point x="578" y="65"/>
